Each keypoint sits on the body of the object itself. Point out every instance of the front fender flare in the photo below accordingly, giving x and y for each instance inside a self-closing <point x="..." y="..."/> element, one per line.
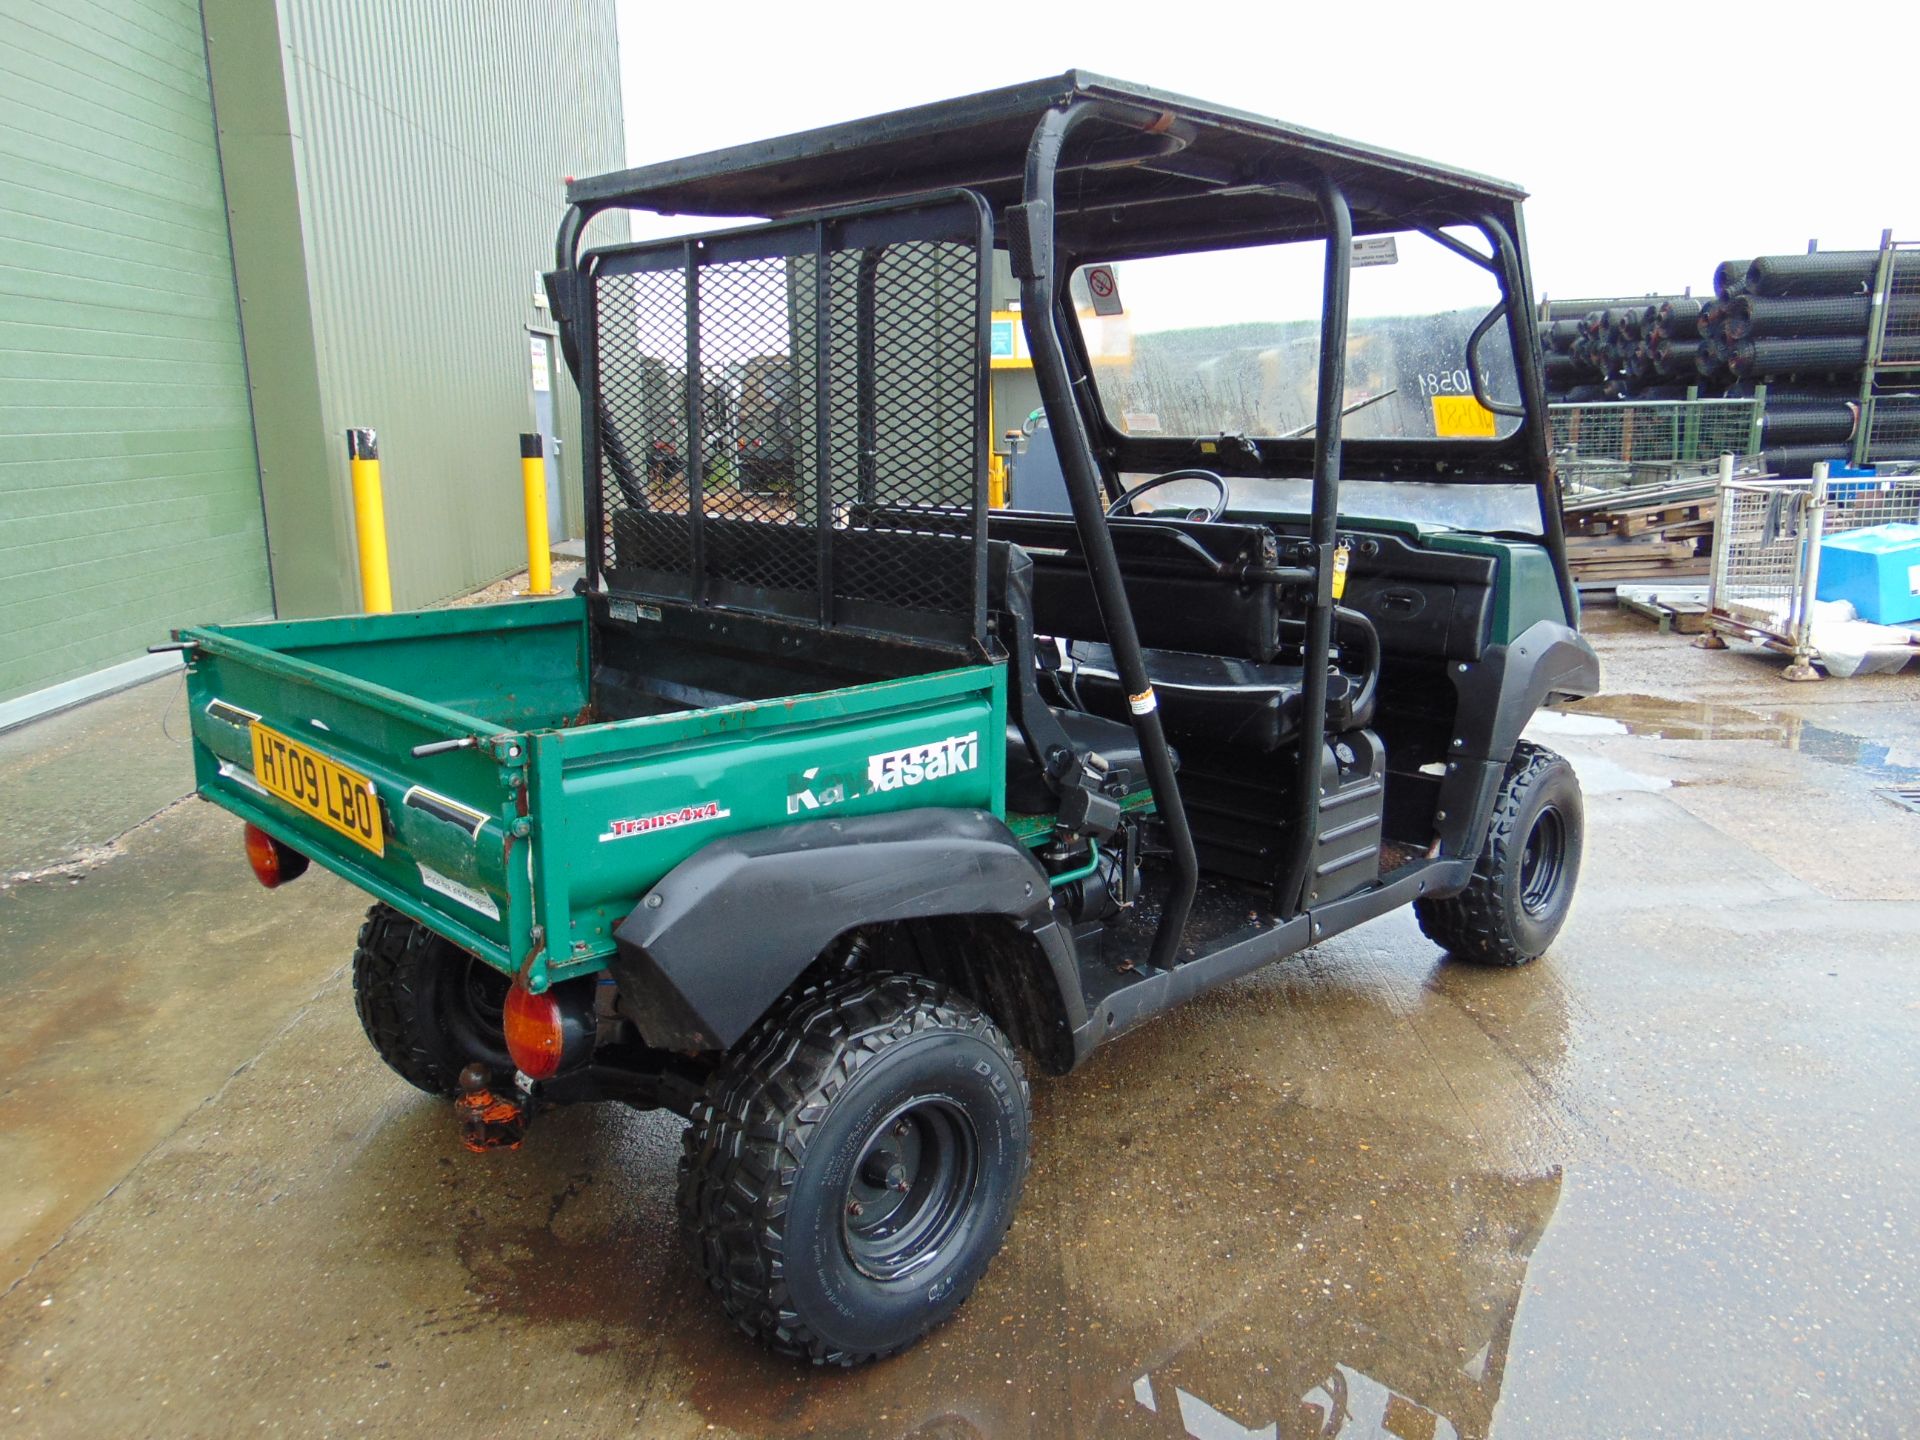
<point x="725" y="932"/>
<point x="1547" y="660"/>
<point x="1497" y="698"/>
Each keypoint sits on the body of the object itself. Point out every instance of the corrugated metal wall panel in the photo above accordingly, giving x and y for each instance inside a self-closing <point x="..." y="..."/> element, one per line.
<point x="431" y="144"/>
<point x="129" y="497"/>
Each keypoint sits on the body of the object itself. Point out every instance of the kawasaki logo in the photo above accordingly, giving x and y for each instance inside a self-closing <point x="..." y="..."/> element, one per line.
<point x="894" y="769"/>
<point x="811" y="790"/>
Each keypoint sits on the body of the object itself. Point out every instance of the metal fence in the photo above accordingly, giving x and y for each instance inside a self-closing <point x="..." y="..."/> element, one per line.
<point x="1611" y="444"/>
<point x="1766" y="557"/>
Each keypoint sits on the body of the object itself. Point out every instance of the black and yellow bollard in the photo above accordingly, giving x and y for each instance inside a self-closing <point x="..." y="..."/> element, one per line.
<point x="533" y="487"/>
<point x="369" y="522"/>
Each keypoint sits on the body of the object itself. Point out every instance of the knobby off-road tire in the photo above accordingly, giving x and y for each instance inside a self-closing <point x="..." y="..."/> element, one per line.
<point x="428" y="1006"/>
<point x="1523" y="884"/>
<point x="853" y="1166"/>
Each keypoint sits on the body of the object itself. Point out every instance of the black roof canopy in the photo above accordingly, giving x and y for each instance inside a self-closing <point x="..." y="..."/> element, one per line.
<point x="1163" y="169"/>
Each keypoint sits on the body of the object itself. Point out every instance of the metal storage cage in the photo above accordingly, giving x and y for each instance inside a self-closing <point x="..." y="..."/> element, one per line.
<point x="1890" y="382"/>
<point x="1766" y="556"/>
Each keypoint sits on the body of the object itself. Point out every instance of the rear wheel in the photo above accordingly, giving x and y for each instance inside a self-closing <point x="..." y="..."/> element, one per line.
<point x="428" y="1006"/>
<point x="1522" y="886"/>
<point x="853" y="1167"/>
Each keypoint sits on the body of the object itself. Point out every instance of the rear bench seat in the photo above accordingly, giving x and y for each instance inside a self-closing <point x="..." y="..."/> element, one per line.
<point x="1217" y="698"/>
<point x="1209" y="641"/>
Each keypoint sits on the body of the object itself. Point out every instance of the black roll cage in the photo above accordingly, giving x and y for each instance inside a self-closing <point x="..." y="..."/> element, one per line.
<point x="1042" y="263"/>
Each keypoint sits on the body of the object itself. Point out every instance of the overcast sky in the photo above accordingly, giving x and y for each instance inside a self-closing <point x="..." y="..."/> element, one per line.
<point x="1655" y="139"/>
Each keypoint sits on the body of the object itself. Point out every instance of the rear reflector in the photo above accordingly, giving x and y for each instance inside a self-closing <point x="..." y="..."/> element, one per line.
<point x="273" y="863"/>
<point x="536" y="1035"/>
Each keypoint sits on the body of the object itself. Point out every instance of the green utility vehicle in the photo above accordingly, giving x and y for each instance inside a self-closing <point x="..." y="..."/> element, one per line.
<point x="824" y="810"/>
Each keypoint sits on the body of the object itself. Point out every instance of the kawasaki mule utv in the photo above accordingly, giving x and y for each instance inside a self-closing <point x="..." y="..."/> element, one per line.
<point x="819" y="804"/>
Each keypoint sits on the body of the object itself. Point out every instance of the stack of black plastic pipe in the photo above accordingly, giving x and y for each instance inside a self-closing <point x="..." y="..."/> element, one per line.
<point x="1611" y="349"/>
<point x="1797" y="324"/>
<point x="1799" y="315"/>
<point x="1802" y="316"/>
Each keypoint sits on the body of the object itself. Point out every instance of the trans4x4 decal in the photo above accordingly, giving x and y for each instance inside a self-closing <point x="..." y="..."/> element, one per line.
<point x="895" y="769"/>
<point x="665" y="820"/>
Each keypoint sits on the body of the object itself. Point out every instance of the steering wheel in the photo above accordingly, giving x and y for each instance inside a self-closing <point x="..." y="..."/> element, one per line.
<point x="1124" y="505"/>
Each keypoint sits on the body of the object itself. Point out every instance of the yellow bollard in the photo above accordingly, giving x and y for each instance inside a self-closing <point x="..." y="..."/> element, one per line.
<point x="533" y="488"/>
<point x="369" y="522"/>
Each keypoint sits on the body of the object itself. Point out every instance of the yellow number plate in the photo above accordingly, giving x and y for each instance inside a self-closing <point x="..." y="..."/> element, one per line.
<point x="337" y="797"/>
<point x="1462" y="415"/>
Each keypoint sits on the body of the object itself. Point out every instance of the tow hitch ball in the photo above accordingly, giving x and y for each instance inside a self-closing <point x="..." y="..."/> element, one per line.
<point x="548" y="1034"/>
<point x="490" y="1121"/>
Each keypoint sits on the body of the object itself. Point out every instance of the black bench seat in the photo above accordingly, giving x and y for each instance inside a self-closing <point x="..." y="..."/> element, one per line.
<point x="1218" y="698"/>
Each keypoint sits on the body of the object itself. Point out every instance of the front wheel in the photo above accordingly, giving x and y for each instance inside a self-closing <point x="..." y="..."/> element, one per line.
<point x="853" y="1166"/>
<point x="1522" y="886"/>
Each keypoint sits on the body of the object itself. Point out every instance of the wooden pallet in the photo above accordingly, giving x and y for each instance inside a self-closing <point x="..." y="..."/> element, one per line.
<point x="1645" y="533"/>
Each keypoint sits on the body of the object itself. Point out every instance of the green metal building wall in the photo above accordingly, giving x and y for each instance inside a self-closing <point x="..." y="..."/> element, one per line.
<point x="129" y="497"/>
<point x="397" y="173"/>
<point x="230" y="229"/>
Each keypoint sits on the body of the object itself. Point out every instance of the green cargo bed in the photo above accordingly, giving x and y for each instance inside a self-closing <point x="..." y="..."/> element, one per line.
<point x="529" y="842"/>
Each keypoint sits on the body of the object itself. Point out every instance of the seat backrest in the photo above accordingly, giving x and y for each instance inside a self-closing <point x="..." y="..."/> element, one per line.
<point x="1170" y="612"/>
<point x="1010" y="597"/>
<point x="1177" y="604"/>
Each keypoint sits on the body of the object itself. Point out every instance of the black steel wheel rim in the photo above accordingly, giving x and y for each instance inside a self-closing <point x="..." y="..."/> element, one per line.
<point x="910" y="1195"/>
<point x="474" y="1009"/>
<point x="1543" y="862"/>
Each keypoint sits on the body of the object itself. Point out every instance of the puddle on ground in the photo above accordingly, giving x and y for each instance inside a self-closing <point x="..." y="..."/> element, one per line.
<point x="1664" y="719"/>
<point x="1598" y="774"/>
<point x="1205" y="1251"/>
<point x="1270" y="1213"/>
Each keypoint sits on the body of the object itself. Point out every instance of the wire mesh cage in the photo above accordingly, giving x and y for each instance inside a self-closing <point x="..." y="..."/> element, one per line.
<point x="792" y="420"/>
<point x="1899" y="339"/>
<point x="1892" y="427"/>
<point x="1766" y="560"/>
<point x="1762" y="536"/>
<point x="1612" y="444"/>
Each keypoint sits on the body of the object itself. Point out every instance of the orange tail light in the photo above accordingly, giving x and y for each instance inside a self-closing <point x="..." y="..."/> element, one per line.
<point x="536" y="1033"/>
<point x="273" y="863"/>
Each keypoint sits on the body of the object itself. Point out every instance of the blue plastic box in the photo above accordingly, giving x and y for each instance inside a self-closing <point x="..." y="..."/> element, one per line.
<point x="1877" y="569"/>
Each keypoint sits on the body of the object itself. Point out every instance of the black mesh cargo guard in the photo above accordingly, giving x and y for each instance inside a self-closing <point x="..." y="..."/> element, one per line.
<point x="793" y="419"/>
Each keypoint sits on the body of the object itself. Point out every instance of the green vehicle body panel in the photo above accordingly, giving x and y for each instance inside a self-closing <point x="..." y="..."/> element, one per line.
<point x="561" y="827"/>
<point x="568" y="824"/>
<point x="520" y="665"/>
<point x="1525" y="589"/>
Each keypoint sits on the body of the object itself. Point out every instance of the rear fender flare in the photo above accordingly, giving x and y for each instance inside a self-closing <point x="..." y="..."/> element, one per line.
<point x="727" y="931"/>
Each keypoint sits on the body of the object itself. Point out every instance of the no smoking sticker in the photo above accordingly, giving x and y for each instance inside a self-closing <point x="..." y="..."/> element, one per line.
<point x="1104" y="289"/>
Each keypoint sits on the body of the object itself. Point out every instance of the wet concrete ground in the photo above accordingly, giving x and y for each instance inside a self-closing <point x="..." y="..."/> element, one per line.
<point x="1660" y="1183"/>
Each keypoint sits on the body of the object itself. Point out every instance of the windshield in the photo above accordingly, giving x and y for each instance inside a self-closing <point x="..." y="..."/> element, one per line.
<point x="1228" y="341"/>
